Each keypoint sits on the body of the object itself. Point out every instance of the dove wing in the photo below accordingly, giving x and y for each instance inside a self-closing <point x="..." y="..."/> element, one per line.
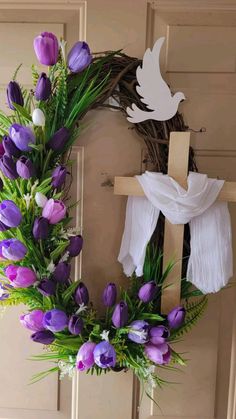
<point x="152" y="88"/>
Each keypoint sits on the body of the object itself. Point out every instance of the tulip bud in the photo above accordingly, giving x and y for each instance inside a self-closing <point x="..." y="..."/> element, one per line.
<point x="9" y="147"/>
<point x="46" y="48"/>
<point x="40" y="228"/>
<point x="158" y="335"/>
<point x="46" y="337"/>
<point x="55" y="320"/>
<point x="75" y="246"/>
<point x="22" y="137"/>
<point x="148" y="292"/>
<point x="62" y="272"/>
<point x="10" y="214"/>
<point x="47" y="287"/>
<point x="82" y="294"/>
<point x="58" y="141"/>
<point x="54" y="211"/>
<point x="138" y="331"/>
<point x="40" y="199"/>
<point x="159" y="354"/>
<point x="25" y="168"/>
<point x="33" y="320"/>
<point x="85" y="358"/>
<point x="20" y="276"/>
<point x="120" y="315"/>
<point x="8" y="167"/>
<point x="79" y="57"/>
<point x="12" y="249"/>
<point x="75" y="325"/>
<point x="14" y="94"/>
<point x="109" y="295"/>
<point x="38" y="117"/>
<point x="43" y="87"/>
<point x="176" y="317"/>
<point x="58" y="176"/>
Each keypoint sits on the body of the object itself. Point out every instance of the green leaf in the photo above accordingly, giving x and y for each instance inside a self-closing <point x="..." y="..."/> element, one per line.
<point x="23" y="112"/>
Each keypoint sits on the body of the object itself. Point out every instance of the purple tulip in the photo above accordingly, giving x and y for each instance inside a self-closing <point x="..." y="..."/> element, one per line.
<point x="75" y="325"/>
<point x="33" y="320"/>
<point x="8" y="167"/>
<point x="40" y="228"/>
<point x="25" y="168"/>
<point x="46" y="337"/>
<point x="176" y="317"/>
<point x="12" y="249"/>
<point x="22" y="137"/>
<point x="59" y="139"/>
<point x="58" y="176"/>
<point x="9" y="147"/>
<point x="46" y="48"/>
<point x="104" y="355"/>
<point x="85" y="358"/>
<point x="81" y="294"/>
<point x="62" y="272"/>
<point x="14" y="94"/>
<point x="148" y="292"/>
<point x="109" y="295"/>
<point x="75" y="246"/>
<point x="159" y="354"/>
<point x="138" y="331"/>
<point x="55" y="320"/>
<point x="120" y="315"/>
<point x="3" y="292"/>
<point x="158" y="335"/>
<point x="10" y="214"/>
<point x="43" y="87"/>
<point x="20" y="276"/>
<point x="79" y="57"/>
<point x="54" y="211"/>
<point x="47" y="287"/>
<point x="2" y="150"/>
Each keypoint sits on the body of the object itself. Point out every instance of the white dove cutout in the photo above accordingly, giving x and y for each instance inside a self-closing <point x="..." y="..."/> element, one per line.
<point x="153" y="89"/>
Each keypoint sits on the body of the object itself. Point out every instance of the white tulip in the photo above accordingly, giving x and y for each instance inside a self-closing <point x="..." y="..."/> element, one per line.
<point x="38" y="118"/>
<point x="40" y="199"/>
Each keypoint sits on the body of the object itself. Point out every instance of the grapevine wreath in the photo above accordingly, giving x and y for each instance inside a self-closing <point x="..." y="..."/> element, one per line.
<point x="37" y="244"/>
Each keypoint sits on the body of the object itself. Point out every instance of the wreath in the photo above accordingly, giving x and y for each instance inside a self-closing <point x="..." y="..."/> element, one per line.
<point x="38" y="245"/>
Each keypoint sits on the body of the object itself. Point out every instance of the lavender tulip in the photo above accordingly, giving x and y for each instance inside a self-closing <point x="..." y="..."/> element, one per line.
<point x="75" y="246"/>
<point x="55" y="320"/>
<point x="148" y="292"/>
<point x="54" y="211"/>
<point x="12" y="249"/>
<point x="58" y="176"/>
<point x="62" y="272"/>
<point x="33" y="320"/>
<point x="20" y="276"/>
<point x="120" y="315"/>
<point x="138" y="331"/>
<point x="43" y="87"/>
<point x="85" y="357"/>
<point x="25" y="168"/>
<point x="158" y="335"/>
<point x="46" y="337"/>
<point x="40" y="228"/>
<point x="104" y="355"/>
<point x="46" y="48"/>
<point x="9" y="147"/>
<point x="75" y="325"/>
<point x="58" y="141"/>
<point x="81" y="294"/>
<point x="22" y="136"/>
<point x="79" y="57"/>
<point x="10" y="214"/>
<point x="176" y="317"/>
<point x="159" y="354"/>
<point x="109" y="295"/>
<point x="47" y="287"/>
<point x="8" y="167"/>
<point x="14" y="94"/>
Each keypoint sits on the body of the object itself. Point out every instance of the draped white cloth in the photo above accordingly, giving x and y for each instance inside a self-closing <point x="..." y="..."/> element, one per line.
<point x="211" y="263"/>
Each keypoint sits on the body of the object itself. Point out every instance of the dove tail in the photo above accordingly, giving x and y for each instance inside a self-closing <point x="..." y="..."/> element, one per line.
<point x="136" y="115"/>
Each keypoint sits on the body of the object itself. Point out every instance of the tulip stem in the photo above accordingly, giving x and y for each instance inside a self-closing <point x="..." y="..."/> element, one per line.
<point x="41" y="247"/>
<point x="46" y="162"/>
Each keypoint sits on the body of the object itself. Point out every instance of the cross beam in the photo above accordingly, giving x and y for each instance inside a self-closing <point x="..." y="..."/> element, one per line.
<point x="174" y="234"/>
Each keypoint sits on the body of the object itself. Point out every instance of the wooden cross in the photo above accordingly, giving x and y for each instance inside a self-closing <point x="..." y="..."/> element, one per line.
<point x="174" y="233"/>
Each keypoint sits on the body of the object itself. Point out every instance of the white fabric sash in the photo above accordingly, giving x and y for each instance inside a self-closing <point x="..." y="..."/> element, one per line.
<point x="211" y="262"/>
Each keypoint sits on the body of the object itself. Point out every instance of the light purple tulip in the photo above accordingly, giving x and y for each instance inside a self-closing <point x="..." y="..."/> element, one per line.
<point x="104" y="355"/>
<point x="10" y="214"/>
<point x="20" y="276"/>
<point x="158" y="335"/>
<point x="176" y="317"/>
<point x="79" y="57"/>
<point x="33" y="320"/>
<point x="120" y="314"/>
<point x="138" y="331"/>
<point x="54" y="211"/>
<point x="159" y="354"/>
<point x="55" y="320"/>
<point x="148" y="292"/>
<point x="12" y="249"/>
<point x="22" y="137"/>
<point x="46" y="48"/>
<point x="85" y="357"/>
